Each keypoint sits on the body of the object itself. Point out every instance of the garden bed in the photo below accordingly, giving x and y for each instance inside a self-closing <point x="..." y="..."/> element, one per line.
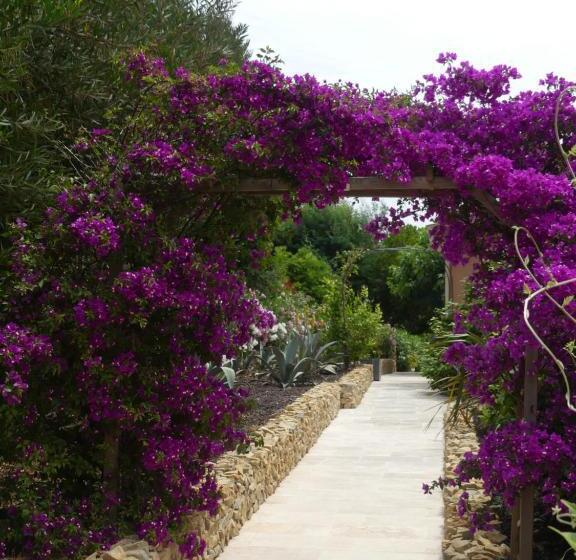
<point x="265" y="399"/>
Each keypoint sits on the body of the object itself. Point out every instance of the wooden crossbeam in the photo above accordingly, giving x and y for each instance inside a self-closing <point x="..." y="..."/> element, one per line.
<point x="358" y="186"/>
<point x="419" y="186"/>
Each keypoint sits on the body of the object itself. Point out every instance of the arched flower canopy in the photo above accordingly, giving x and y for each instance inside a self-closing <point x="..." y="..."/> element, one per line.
<point x="131" y="283"/>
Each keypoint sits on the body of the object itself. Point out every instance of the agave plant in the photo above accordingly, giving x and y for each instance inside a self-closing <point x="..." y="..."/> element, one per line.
<point x="310" y="346"/>
<point x="288" y="365"/>
<point x="265" y="357"/>
<point x="226" y="372"/>
<point x="300" y="359"/>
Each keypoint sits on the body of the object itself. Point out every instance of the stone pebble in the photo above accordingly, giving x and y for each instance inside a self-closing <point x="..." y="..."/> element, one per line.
<point x="459" y="543"/>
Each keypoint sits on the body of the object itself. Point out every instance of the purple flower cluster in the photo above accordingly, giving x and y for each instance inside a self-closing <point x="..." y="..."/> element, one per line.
<point x="518" y="455"/>
<point x="139" y="67"/>
<point x="98" y="232"/>
<point x="91" y="313"/>
<point x="20" y="351"/>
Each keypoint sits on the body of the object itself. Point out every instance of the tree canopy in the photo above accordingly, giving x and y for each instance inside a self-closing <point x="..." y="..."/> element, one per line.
<point x="60" y="72"/>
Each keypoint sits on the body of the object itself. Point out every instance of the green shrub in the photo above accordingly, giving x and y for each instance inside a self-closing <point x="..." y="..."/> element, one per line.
<point x="405" y="276"/>
<point x="431" y="364"/>
<point x="303" y="271"/>
<point x="327" y="231"/>
<point x="409" y="350"/>
<point x="353" y="321"/>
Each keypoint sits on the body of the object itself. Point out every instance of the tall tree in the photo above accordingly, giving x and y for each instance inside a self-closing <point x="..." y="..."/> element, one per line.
<point x="59" y="73"/>
<point x="405" y="277"/>
<point x="329" y="231"/>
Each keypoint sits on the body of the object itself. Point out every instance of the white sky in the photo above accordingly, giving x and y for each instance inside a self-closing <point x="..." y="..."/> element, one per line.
<point x="386" y="44"/>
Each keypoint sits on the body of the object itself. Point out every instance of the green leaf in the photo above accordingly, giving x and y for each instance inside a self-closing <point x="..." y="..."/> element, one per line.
<point x="569" y="537"/>
<point x="229" y="375"/>
<point x="571" y="507"/>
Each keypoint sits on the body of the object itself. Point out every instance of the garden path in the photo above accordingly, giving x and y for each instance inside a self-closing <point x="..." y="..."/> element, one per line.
<point x="357" y="493"/>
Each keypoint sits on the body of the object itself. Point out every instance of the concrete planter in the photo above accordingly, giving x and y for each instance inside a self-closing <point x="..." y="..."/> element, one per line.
<point x="376" y="369"/>
<point x="387" y="365"/>
<point x="383" y="366"/>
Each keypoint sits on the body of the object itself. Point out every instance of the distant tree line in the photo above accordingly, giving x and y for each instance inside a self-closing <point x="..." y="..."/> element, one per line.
<point x="404" y="276"/>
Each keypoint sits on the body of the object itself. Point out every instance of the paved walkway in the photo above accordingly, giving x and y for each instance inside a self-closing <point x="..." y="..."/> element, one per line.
<point x="357" y="494"/>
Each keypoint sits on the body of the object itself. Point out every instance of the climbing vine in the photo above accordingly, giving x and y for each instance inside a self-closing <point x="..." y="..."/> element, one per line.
<point x="133" y="282"/>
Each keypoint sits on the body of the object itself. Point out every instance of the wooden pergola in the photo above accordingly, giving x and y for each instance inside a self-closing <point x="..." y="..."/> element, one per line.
<point x="426" y="186"/>
<point x="418" y="187"/>
<point x="378" y="187"/>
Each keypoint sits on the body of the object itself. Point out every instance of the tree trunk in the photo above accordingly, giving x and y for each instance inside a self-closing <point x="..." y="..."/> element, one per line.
<point x="111" y="466"/>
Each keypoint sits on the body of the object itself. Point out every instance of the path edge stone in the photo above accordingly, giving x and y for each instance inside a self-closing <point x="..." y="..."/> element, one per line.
<point x="459" y="543"/>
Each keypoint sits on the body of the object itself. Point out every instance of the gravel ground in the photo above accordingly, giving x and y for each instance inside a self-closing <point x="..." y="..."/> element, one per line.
<point x="266" y="399"/>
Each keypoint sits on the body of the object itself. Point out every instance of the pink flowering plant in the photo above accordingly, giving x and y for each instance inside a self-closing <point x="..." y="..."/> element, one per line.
<point x="114" y="397"/>
<point x="137" y="278"/>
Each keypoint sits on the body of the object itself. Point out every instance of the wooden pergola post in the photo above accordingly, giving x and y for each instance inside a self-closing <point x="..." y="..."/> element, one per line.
<point x="522" y="530"/>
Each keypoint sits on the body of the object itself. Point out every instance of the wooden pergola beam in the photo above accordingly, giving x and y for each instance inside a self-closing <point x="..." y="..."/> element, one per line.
<point x="358" y="186"/>
<point x="419" y="186"/>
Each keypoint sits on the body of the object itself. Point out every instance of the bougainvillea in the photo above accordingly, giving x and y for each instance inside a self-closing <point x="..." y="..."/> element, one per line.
<point x="20" y="350"/>
<point x="118" y="385"/>
<point x="502" y="154"/>
<point x="518" y="455"/>
<point x="132" y="283"/>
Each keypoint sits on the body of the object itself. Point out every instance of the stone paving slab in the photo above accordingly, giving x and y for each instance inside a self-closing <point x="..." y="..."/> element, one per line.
<point x="357" y="494"/>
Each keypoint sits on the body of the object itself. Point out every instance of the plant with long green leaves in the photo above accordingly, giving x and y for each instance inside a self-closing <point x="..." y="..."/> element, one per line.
<point x="265" y="358"/>
<point x="567" y="517"/>
<point x="444" y="377"/>
<point x="289" y="367"/>
<point x="310" y="345"/>
<point x="300" y="359"/>
<point x="225" y="372"/>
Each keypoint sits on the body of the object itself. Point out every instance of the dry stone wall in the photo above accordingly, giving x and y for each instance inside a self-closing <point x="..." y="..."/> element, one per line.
<point x="353" y="386"/>
<point x="459" y="542"/>
<point x="245" y="481"/>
